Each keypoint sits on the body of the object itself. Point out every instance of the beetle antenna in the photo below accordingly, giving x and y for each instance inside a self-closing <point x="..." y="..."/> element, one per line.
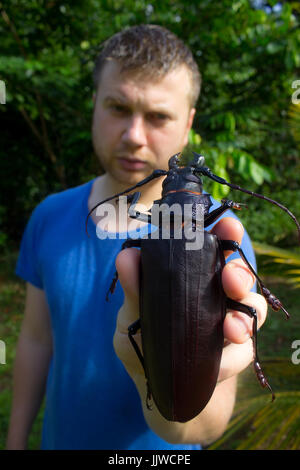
<point x="155" y="174"/>
<point x="207" y="172"/>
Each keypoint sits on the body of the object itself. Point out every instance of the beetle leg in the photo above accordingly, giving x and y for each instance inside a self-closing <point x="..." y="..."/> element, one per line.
<point x="270" y="298"/>
<point x="130" y="243"/>
<point x="215" y="214"/>
<point x="132" y="330"/>
<point x="234" y="205"/>
<point x="251" y="312"/>
<point x="112" y="286"/>
<point x="136" y="214"/>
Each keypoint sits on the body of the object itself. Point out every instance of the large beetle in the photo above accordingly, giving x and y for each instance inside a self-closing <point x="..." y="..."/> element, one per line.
<point x="182" y="302"/>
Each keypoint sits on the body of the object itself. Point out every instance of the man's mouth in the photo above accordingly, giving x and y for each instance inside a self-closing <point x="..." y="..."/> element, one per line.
<point x="132" y="164"/>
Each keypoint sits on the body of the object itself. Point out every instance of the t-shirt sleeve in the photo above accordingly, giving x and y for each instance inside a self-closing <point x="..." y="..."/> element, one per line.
<point x="28" y="263"/>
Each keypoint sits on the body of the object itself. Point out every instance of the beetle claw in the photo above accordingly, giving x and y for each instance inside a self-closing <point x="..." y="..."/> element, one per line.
<point x="112" y="286"/>
<point x="273" y="301"/>
<point x="262" y="379"/>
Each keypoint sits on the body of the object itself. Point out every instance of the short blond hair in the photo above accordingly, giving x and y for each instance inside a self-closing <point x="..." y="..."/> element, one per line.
<point x="150" y="51"/>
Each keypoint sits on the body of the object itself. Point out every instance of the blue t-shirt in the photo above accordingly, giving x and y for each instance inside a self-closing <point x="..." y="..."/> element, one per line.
<point x="91" y="402"/>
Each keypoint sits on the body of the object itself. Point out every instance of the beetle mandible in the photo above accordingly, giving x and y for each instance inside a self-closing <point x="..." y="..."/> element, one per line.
<point x="182" y="301"/>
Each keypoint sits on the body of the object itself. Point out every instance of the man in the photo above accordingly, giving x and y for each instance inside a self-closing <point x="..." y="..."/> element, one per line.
<point x="147" y="84"/>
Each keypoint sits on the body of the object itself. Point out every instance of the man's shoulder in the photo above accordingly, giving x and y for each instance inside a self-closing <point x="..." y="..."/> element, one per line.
<point x="64" y="200"/>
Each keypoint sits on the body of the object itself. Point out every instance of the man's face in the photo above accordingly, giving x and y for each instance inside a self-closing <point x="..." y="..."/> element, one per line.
<point x="138" y="124"/>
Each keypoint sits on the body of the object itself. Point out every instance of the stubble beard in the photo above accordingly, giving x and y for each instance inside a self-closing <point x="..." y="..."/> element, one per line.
<point x="120" y="176"/>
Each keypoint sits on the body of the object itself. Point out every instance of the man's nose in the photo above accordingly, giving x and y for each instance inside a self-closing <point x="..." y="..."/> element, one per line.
<point x="135" y="132"/>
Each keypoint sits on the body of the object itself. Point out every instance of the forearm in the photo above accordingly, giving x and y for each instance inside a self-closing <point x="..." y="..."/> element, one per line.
<point x="30" y="374"/>
<point x="205" y="428"/>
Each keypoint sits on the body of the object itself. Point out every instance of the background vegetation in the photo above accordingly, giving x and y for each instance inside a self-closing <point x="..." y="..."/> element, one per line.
<point x="246" y="125"/>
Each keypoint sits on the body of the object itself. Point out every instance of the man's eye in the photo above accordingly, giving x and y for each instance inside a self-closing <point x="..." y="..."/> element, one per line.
<point x="118" y="108"/>
<point x="158" y="117"/>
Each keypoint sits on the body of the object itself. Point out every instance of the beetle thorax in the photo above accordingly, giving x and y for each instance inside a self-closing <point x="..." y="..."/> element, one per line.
<point x="181" y="179"/>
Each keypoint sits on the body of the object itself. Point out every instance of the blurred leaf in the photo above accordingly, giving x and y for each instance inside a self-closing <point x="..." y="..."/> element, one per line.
<point x="259" y="424"/>
<point x="284" y="258"/>
<point x="257" y="172"/>
<point x="194" y="138"/>
<point x="294" y="121"/>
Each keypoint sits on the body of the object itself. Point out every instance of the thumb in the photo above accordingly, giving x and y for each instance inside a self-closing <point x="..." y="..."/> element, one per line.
<point x="128" y="266"/>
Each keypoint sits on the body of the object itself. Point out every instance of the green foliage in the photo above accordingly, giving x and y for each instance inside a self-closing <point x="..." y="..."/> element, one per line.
<point x="294" y="121"/>
<point x="258" y="423"/>
<point x="220" y="161"/>
<point x="247" y="53"/>
<point x="284" y="264"/>
<point x="265" y="426"/>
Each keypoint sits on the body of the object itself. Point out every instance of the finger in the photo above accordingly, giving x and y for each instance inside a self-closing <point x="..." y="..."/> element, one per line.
<point x="127" y="265"/>
<point x="238" y="326"/>
<point x="235" y="358"/>
<point x="229" y="228"/>
<point x="237" y="279"/>
<point x="237" y="329"/>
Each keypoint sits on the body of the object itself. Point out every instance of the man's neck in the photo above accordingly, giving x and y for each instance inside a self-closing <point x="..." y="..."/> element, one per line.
<point x="105" y="187"/>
